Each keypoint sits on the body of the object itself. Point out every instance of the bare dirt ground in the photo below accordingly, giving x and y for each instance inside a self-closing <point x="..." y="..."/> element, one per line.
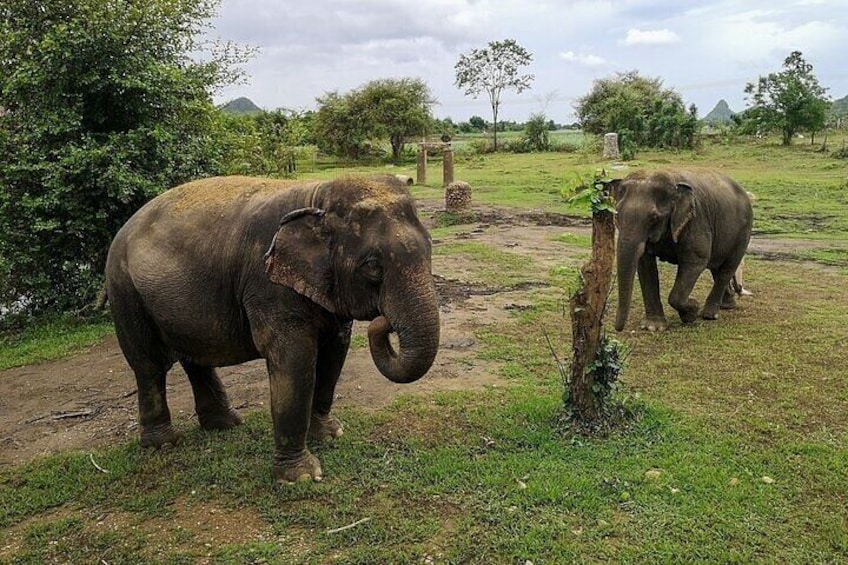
<point x="89" y="400"/>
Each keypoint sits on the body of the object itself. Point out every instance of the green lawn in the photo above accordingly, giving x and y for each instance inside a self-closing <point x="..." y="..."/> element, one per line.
<point x="738" y="453"/>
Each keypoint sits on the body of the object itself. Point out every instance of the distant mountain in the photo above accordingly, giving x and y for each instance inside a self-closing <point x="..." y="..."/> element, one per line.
<point x="241" y="106"/>
<point x="721" y="114"/>
<point x="840" y="107"/>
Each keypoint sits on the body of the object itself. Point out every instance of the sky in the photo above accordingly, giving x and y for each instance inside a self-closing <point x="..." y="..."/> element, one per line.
<point x="705" y="51"/>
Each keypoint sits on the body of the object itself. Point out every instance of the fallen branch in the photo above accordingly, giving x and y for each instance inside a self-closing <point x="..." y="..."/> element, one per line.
<point x="77" y="414"/>
<point x="96" y="466"/>
<point x="349" y="526"/>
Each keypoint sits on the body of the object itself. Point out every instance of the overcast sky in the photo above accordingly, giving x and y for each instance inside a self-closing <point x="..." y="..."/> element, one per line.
<point x="704" y="50"/>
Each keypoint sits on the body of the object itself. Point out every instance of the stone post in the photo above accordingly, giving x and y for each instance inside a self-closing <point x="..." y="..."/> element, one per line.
<point x="611" y="146"/>
<point x="421" y="173"/>
<point x="447" y="166"/>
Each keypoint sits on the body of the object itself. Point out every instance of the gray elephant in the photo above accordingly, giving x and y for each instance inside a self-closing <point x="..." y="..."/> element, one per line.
<point x="696" y="220"/>
<point x="189" y="281"/>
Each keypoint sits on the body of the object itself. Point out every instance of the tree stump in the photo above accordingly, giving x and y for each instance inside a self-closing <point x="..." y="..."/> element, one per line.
<point x="611" y="146"/>
<point x="587" y="307"/>
<point x="457" y="196"/>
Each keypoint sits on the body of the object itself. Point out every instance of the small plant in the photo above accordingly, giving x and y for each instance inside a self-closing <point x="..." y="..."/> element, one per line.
<point x="593" y="195"/>
<point x="607" y="367"/>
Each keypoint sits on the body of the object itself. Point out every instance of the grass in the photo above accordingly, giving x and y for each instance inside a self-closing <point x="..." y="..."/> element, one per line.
<point x="49" y="340"/>
<point x="739" y="453"/>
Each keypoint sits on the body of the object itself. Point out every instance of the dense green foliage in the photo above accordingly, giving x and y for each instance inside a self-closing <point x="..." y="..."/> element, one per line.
<point x="492" y="70"/>
<point x="537" y="133"/>
<point x="348" y="125"/>
<point x="104" y="109"/>
<point x="265" y="143"/>
<point x="640" y="110"/>
<point x="789" y="101"/>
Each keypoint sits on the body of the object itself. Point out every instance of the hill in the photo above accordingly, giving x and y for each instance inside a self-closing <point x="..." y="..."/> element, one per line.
<point x="721" y="114"/>
<point x="840" y="107"/>
<point x="241" y="106"/>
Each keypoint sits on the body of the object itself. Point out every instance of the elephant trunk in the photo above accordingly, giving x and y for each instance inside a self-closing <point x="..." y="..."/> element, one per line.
<point x="627" y="257"/>
<point x="412" y="311"/>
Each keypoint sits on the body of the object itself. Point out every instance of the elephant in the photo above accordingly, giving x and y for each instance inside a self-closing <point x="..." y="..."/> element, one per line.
<point x="224" y="270"/>
<point x="695" y="219"/>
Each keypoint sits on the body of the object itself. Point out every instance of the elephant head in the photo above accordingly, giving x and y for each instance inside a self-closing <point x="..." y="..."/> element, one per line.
<point x="360" y="252"/>
<point x="650" y="209"/>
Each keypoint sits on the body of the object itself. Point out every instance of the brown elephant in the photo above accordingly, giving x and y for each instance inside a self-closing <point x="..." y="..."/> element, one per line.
<point x="697" y="220"/>
<point x="189" y="281"/>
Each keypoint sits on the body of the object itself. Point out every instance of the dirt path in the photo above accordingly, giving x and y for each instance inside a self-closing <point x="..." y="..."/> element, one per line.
<point x="89" y="399"/>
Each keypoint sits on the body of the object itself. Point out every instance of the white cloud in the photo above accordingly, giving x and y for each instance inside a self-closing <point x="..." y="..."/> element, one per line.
<point x="583" y="59"/>
<point x="636" y="36"/>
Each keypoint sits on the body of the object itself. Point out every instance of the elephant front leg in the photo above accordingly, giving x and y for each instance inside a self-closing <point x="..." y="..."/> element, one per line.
<point x="331" y="357"/>
<point x="649" y="281"/>
<point x="292" y="385"/>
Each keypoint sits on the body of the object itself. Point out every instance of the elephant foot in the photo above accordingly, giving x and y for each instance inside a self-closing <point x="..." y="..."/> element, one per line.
<point x="654" y="324"/>
<point x="323" y="427"/>
<point x="219" y="420"/>
<point x="729" y="303"/>
<point x="161" y="436"/>
<point x="304" y="467"/>
<point x="689" y="314"/>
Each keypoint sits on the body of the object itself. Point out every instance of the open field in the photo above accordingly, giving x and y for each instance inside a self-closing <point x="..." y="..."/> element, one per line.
<point x="739" y="453"/>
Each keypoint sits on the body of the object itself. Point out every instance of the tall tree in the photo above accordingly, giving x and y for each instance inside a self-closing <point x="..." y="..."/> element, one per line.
<point x="789" y="101"/>
<point x="392" y="109"/>
<point x="104" y="109"/>
<point x="397" y="109"/>
<point x="492" y="70"/>
<point x="639" y="109"/>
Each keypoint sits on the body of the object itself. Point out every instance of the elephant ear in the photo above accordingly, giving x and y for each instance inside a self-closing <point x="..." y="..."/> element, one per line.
<point x="616" y="189"/>
<point x="684" y="210"/>
<point x="299" y="256"/>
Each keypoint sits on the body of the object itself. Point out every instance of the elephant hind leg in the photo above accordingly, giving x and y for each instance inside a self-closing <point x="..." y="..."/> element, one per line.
<point x="722" y="296"/>
<point x="150" y="360"/>
<point x="210" y="398"/>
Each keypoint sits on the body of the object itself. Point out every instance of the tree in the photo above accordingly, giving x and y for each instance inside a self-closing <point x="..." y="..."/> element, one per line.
<point x="789" y="101"/>
<point x="393" y="109"/>
<point x="536" y="133"/>
<point x="104" y="109"/>
<point x="492" y="70"/>
<point x="477" y="123"/>
<point x="397" y="109"/>
<point x="639" y="109"/>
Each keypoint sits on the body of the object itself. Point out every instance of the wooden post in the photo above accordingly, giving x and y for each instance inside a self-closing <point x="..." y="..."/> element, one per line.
<point x="447" y="166"/>
<point x="587" y="307"/>
<point x="421" y="173"/>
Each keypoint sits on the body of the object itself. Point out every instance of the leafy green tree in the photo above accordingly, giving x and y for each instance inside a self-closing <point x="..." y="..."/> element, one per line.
<point x="640" y="110"/>
<point x="392" y="109"/>
<point x="789" y="101"/>
<point x="105" y="108"/>
<point x="340" y="126"/>
<point x="396" y="109"/>
<point x="492" y="70"/>
<point x="265" y="143"/>
<point x="477" y="123"/>
<point x="536" y="133"/>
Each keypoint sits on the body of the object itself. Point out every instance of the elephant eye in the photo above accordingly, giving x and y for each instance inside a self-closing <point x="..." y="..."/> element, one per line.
<point x="372" y="269"/>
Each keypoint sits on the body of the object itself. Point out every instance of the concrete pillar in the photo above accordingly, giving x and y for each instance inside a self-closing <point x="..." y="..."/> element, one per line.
<point x="447" y="166"/>
<point x="421" y="173"/>
<point x="611" y="146"/>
